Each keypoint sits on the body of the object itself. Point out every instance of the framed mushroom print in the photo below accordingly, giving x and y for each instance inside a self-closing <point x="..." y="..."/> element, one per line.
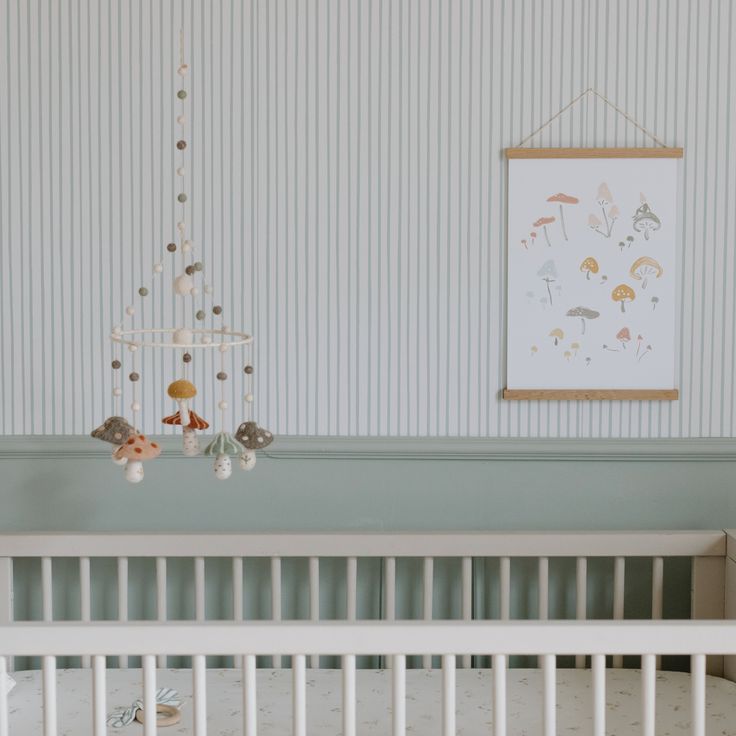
<point x="592" y="273"/>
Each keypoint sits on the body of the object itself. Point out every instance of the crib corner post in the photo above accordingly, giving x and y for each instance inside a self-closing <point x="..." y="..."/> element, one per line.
<point x="729" y="663"/>
<point x="6" y="595"/>
<point x="708" y="598"/>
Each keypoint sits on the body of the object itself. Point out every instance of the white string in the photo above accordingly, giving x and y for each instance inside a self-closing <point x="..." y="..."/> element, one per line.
<point x="591" y="91"/>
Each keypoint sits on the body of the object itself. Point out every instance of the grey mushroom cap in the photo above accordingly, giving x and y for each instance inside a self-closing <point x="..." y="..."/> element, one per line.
<point x="583" y="312"/>
<point x="114" y="430"/>
<point x="644" y="214"/>
<point x="253" y="437"/>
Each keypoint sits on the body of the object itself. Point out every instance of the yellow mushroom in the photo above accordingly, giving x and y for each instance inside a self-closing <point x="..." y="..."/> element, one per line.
<point x="181" y="391"/>
<point x="623" y="293"/>
<point x="644" y="267"/>
<point x="588" y="266"/>
<point x="557" y="334"/>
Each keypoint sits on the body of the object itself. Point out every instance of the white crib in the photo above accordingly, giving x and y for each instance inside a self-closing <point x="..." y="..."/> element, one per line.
<point x="708" y="643"/>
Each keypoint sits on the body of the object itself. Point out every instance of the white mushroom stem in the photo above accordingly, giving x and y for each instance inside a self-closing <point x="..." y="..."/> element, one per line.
<point x="134" y="471"/>
<point x="223" y="466"/>
<point x="248" y="460"/>
<point x="116" y="459"/>
<point x="183" y="411"/>
<point x="191" y="442"/>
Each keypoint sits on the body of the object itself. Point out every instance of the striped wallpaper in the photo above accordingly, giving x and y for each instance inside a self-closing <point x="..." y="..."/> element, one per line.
<point x="347" y="196"/>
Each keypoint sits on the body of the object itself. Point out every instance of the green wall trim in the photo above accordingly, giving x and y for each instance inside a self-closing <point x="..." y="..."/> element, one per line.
<point x="410" y="448"/>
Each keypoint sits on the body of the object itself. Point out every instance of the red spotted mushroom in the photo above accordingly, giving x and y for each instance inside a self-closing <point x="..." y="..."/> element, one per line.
<point x="136" y="450"/>
<point x="623" y="336"/>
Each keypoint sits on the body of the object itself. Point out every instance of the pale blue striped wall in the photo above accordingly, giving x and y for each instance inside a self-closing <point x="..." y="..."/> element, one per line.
<point x="348" y="195"/>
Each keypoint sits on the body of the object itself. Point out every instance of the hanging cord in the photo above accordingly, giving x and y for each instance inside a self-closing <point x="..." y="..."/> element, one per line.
<point x="591" y="91"/>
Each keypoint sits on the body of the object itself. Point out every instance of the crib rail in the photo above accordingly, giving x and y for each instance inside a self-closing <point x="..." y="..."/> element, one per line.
<point x="347" y="639"/>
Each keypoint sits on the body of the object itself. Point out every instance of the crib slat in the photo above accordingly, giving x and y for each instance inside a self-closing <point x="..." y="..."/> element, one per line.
<point x="149" y="695"/>
<point x="161" y="602"/>
<point x="549" y="707"/>
<point x="399" y="695"/>
<point x="428" y="601"/>
<point x="448" y="695"/>
<point x="199" y="676"/>
<point x="619" y="581"/>
<point x="581" y="599"/>
<point x="348" y="695"/>
<point x="543" y="574"/>
<point x="598" y="665"/>
<point x="504" y="571"/>
<point x="499" y="695"/>
<point x="657" y="592"/>
<point x="237" y="588"/>
<point x="390" y="592"/>
<point x="697" y="684"/>
<point x="199" y="589"/>
<point x="47" y="591"/>
<point x="4" y="697"/>
<point x="49" y="696"/>
<point x="467" y="572"/>
<point x="648" y="684"/>
<point x="352" y="588"/>
<point x="85" y="605"/>
<point x="250" y="706"/>
<point x="314" y="600"/>
<point x="122" y="600"/>
<point x="276" y="598"/>
<point x="300" y="694"/>
<point x="99" y="695"/>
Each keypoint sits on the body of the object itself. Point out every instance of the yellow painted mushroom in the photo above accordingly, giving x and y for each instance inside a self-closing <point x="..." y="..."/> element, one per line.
<point x="588" y="266"/>
<point x="622" y="294"/>
<point x="644" y="267"/>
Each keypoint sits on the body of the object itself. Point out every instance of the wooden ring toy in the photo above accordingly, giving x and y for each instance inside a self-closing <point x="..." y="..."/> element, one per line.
<point x="171" y="715"/>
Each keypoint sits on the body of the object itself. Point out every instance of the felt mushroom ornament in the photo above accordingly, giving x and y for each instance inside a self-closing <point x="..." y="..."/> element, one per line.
<point x="253" y="438"/>
<point x="190" y="439"/>
<point x="222" y="447"/>
<point x="181" y="391"/>
<point x="135" y="451"/>
<point x="116" y="431"/>
<point x="562" y="199"/>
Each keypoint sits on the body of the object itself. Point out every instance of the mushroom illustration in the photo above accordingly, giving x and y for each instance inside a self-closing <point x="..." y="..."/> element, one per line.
<point x="645" y="221"/>
<point x="604" y="278"/>
<point x="253" y="438"/>
<point x="523" y="242"/>
<point x="561" y="199"/>
<point x="543" y="222"/>
<point x="655" y="301"/>
<point x="534" y="350"/>
<point x="533" y="236"/>
<point x="588" y="266"/>
<point x="594" y="223"/>
<point x="567" y="355"/>
<point x="575" y="346"/>
<point x="623" y="293"/>
<point x="557" y="334"/>
<point x="548" y="274"/>
<point x="587" y="362"/>
<point x="222" y="447"/>
<point x="190" y="439"/>
<point x="644" y="267"/>
<point x="639" y="339"/>
<point x="135" y="450"/>
<point x="646" y="352"/>
<point x="181" y="391"/>
<point x="623" y="336"/>
<point x="621" y="245"/>
<point x="116" y="431"/>
<point x="583" y="313"/>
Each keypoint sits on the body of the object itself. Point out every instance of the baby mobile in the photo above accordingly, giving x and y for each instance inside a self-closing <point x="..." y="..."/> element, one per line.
<point x="131" y="448"/>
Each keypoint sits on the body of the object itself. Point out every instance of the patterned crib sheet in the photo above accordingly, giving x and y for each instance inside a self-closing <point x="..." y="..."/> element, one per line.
<point x="423" y="687"/>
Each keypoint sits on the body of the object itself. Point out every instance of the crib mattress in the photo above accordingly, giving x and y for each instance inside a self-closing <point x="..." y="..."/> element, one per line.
<point x="423" y="709"/>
